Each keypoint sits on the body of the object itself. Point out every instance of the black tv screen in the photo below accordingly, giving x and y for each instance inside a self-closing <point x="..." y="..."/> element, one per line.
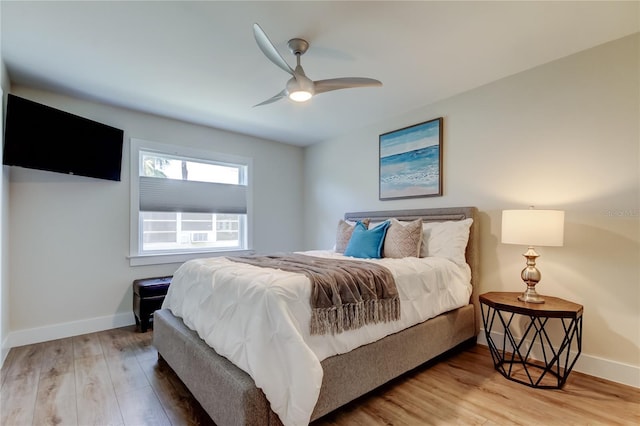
<point x="40" y="137"/>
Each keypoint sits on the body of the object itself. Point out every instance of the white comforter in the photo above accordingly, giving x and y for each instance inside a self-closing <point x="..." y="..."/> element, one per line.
<point x="259" y="319"/>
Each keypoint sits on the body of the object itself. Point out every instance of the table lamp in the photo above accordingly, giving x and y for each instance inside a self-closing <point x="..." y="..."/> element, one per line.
<point x="532" y="228"/>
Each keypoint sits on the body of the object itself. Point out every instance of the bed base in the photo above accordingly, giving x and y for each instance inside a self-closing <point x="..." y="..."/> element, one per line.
<point x="230" y="396"/>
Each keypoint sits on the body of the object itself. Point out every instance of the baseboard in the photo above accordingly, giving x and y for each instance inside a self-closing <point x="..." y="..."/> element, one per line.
<point x="4" y="351"/>
<point x="67" y="329"/>
<point x="589" y="364"/>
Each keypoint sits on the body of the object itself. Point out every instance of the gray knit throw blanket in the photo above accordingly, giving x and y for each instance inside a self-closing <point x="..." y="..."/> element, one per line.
<point x="345" y="294"/>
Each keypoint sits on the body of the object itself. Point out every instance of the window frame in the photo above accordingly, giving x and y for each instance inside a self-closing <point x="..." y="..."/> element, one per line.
<point x="136" y="256"/>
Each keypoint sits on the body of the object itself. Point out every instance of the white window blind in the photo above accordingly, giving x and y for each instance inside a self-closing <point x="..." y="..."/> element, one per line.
<point x="171" y="195"/>
<point x="186" y="202"/>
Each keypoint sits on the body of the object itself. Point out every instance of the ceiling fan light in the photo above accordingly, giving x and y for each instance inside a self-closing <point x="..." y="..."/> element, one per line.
<point x="300" y="88"/>
<point x="300" y="96"/>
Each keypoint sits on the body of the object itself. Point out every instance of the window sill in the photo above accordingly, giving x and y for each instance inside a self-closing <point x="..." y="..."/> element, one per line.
<point x="164" y="258"/>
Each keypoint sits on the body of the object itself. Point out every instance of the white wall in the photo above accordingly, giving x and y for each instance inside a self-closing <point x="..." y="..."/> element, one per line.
<point x="564" y="135"/>
<point x="70" y="234"/>
<point x="4" y="225"/>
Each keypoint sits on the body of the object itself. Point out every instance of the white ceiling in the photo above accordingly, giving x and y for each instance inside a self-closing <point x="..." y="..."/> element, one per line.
<point x="198" y="61"/>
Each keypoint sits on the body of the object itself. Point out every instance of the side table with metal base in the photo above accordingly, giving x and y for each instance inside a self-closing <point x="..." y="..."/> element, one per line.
<point x="513" y="357"/>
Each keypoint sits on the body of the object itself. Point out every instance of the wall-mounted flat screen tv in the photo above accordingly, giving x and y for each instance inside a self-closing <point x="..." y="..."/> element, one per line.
<point x="40" y="137"/>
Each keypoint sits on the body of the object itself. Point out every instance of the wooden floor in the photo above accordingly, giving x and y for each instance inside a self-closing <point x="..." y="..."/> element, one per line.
<point x="113" y="378"/>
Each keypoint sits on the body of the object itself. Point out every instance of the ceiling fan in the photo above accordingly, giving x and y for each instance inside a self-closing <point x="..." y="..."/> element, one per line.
<point x="300" y="88"/>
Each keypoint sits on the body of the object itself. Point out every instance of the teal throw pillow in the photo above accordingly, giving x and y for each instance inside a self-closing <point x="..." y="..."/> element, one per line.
<point x="367" y="243"/>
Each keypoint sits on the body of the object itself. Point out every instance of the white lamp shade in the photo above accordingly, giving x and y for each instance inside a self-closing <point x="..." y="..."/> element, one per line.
<point x="533" y="227"/>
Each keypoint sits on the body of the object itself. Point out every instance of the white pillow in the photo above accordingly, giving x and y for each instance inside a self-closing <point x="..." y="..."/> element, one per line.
<point x="446" y="239"/>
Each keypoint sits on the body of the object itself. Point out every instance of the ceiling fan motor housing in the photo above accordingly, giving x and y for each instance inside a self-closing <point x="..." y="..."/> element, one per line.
<point x="298" y="46"/>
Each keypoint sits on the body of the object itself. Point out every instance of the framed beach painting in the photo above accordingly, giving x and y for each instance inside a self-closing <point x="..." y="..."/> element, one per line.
<point x="411" y="161"/>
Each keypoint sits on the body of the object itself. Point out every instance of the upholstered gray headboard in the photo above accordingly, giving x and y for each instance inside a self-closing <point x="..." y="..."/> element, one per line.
<point x="438" y="215"/>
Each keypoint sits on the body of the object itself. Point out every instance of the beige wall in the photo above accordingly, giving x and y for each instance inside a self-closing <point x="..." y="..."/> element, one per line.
<point x="564" y="135"/>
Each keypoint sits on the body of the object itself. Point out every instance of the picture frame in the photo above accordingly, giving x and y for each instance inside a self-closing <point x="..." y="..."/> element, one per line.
<point x="410" y="161"/>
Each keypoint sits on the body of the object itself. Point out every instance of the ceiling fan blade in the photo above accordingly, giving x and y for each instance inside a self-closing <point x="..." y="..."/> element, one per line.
<point x="322" y="86"/>
<point x="269" y="49"/>
<point x="282" y="94"/>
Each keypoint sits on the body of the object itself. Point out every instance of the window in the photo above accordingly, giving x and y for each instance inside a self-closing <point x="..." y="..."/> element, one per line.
<point x="186" y="202"/>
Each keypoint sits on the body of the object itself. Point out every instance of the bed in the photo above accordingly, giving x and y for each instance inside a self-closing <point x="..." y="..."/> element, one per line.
<point x="230" y="395"/>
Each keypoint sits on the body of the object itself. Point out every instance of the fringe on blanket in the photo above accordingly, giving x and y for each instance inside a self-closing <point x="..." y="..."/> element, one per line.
<point x="337" y="319"/>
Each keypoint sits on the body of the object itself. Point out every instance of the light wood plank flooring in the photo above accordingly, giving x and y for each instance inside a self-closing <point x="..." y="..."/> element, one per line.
<point x="113" y="378"/>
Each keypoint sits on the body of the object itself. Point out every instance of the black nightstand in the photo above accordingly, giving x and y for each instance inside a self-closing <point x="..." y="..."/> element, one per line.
<point x="560" y="347"/>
